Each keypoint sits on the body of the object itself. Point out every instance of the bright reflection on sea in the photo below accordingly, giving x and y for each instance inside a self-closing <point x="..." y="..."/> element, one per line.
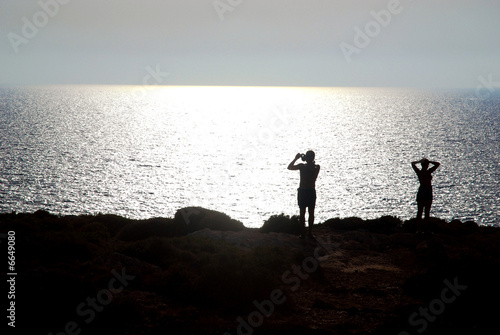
<point x="147" y="151"/>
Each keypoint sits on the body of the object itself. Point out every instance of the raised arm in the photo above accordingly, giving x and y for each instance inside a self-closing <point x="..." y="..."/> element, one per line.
<point x="317" y="170"/>
<point x="291" y="166"/>
<point x="414" y="166"/>
<point x="436" y="165"/>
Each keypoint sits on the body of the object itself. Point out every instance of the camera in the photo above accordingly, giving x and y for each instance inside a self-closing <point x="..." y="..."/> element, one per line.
<point x="303" y="157"/>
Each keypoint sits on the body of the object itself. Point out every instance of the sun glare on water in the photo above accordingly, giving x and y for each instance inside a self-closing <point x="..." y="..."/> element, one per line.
<point x="225" y="105"/>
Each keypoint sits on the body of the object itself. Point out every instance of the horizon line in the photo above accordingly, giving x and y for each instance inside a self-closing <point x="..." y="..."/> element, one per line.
<point x="234" y="86"/>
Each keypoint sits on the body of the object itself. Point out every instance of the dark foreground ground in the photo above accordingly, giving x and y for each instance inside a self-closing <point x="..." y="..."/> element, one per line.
<point x="203" y="273"/>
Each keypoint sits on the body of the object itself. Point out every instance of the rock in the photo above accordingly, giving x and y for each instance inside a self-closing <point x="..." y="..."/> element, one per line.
<point x="192" y="219"/>
<point x="406" y="240"/>
<point x="431" y="250"/>
<point x="132" y="265"/>
<point x="42" y="214"/>
<point x="371" y="240"/>
<point x="143" y="229"/>
<point x="321" y="304"/>
<point x="345" y="224"/>
<point x="456" y="227"/>
<point x="251" y="238"/>
<point x="383" y="225"/>
<point x="412" y="225"/>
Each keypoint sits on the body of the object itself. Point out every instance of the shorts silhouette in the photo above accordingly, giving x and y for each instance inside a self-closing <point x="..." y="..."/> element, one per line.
<point x="306" y="197"/>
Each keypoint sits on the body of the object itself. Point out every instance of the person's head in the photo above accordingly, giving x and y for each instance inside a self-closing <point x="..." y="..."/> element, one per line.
<point x="425" y="163"/>
<point x="309" y="157"/>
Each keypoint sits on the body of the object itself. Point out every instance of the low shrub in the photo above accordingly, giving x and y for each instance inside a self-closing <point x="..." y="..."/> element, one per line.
<point x="282" y="224"/>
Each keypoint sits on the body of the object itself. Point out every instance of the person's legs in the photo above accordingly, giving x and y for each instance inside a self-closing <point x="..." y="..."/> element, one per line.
<point x="419" y="216"/>
<point x="420" y="210"/>
<point x="306" y="199"/>
<point x="302" y="221"/>
<point x="428" y="210"/>
<point x="311" y="219"/>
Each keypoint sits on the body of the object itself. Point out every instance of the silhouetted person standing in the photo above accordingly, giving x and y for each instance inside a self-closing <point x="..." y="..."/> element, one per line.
<point x="306" y="194"/>
<point x="424" y="195"/>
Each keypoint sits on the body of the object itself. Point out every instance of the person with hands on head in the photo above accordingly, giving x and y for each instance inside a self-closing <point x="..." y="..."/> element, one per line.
<point x="424" y="195"/>
<point x="306" y="193"/>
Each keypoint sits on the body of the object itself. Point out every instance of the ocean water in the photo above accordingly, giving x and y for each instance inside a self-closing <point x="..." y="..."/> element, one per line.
<point x="145" y="152"/>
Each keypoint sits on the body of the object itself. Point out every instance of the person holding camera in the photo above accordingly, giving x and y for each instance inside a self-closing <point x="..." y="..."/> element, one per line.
<point x="424" y="195"/>
<point x="306" y="195"/>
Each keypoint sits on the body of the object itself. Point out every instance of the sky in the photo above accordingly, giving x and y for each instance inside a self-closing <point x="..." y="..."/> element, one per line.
<point x="402" y="43"/>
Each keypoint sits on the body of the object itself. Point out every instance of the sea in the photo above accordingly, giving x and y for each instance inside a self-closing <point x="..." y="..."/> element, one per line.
<point x="147" y="151"/>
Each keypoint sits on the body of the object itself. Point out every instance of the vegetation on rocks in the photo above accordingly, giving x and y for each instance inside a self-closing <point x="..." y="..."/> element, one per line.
<point x="203" y="273"/>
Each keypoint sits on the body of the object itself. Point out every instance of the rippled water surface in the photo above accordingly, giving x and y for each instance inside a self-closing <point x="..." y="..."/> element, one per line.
<point x="145" y="152"/>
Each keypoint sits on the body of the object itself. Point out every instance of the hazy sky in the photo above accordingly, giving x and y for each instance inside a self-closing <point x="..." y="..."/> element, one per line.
<point x="445" y="43"/>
